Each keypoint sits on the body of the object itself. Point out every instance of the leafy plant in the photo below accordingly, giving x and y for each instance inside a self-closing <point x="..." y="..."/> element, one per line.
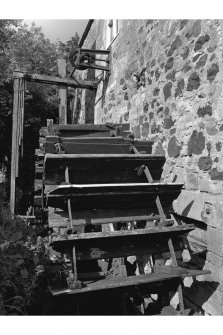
<point x="28" y="267"/>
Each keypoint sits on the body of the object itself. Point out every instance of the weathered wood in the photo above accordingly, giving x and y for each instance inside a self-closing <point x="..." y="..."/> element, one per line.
<point x="159" y="159"/>
<point x="37" y="200"/>
<point x="116" y="247"/>
<point x="62" y="91"/>
<point x="169" y="310"/>
<point x="150" y="180"/>
<point x="14" y="156"/>
<point x="181" y="299"/>
<point x="109" y="196"/>
<point x="122" y="282"/>
<point x="115" y="188"/>
<point x="74" y="262"/>
<point x="158" y="262"/>
<point x="22" y="117"/>
<point x="40" y="78"/>
<point x="98" y="217"/>
<point x="76" y="133"/>
<point x="95" y="148"/>
<point x="172" y="252"/>
<point x="91" y="275"/>
<point x="127" y="242"/>
<point x="92" y="127"/>
<point x="124" y="233"/>
<point x="81" y="140"/>
<point x="68" y="200"/>
<point x="101" y="168"/>
<point x="39" y="153"/>
<point x="158" y="202"/>
<point x="18" y="128"/>
<point x="38" y="184"/>
<point x="175" y="263"/>
<point x="89" y="130"/>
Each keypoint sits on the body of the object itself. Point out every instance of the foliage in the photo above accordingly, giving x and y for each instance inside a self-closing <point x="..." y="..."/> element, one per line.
<point x="27" y="269"/>
<point x="30" y="51"/>
<point x="8" y="30"/>
<point x="27" y="49"/>
<point x="27" y="266"/>
<point x="64" y="49"/>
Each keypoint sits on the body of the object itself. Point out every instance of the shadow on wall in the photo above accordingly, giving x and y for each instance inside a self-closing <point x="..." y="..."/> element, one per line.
<point x="199" y="291"/>
<point x="105" y="81"/>
<point x="90" y="96"/>
<point x="89" y="100"/>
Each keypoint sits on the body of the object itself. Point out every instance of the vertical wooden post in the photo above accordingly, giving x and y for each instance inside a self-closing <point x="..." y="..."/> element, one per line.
<point x="14" y="153"/>
<point x="62" y="91"/>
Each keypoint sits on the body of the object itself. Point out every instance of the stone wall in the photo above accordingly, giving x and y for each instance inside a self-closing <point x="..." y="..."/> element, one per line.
<point x="166" y="81"/>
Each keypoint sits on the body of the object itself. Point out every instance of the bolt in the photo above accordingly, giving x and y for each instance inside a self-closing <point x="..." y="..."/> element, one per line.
<point x="208" y="210"/>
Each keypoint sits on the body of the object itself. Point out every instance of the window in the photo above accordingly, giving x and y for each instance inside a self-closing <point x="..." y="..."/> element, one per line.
<point x="112" y="31"/>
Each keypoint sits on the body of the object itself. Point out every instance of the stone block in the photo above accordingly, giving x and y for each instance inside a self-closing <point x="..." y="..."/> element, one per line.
<point x="191" y="181"/>
<point x="215" y="241"/>
<point x="197" y="235"/>
<point x="214" y="259"/>
<point x="206" y="296"/>
<point x="200" y="206"/>
<point x="178" y="176"/>
<point x="215" y="278"/>
<point x="209" y="186"/>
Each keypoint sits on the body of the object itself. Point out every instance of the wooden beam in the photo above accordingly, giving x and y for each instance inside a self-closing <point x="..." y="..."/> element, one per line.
<point x="98" y="217"/>
<point x="121" y="282"/>
<point x="14" y="156"/>
<point x="54" y="80"/>
<point x="104" y="248"/>
<point x="62" y="91"/>
<point x="124" y="233"/>
<point x="68" y="200"/>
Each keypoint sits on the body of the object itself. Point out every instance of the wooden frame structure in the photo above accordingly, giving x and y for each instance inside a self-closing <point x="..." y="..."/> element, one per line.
<point x="18" y="111"/>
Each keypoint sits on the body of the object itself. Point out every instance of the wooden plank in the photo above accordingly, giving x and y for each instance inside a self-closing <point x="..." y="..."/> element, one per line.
<point x="14" y="156"/>
<point x="101" y="168"/>
<point x="62" y="91"/>
<point x="39" y="153"/>
<point x="169" y="310"/>
<point x="95" y="249"/>
<point x="122" y="282"/>
<point x="38" y="200"/>
<point x="68" y="200"/>
<point x="40" y="78"/>
<point x="91" y="275"/>
<point x="124" y="233"/>
<point x="124" y="202"/>
<point x="92" y="127"/>
<point x="86" y="139"/>
<point x="105" y="196"/>
<point x="38" y="184"/>
<point x="98" y="217"/>
<point x="74" y="262"/>
<point x="22" y="116"/>
<point x="95" y="140"/>
<point x="150" y="179"/>
<point x="143" y="157"/>
<point x="50" y="141"/>
<point x="83" y="130"/>
<point x="114" y="188"/>
<point x="95" y="148"/>
<point x="18" y="128"/>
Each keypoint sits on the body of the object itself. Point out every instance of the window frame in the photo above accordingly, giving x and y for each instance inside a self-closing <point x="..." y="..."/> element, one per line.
<point x="112" y="31"/>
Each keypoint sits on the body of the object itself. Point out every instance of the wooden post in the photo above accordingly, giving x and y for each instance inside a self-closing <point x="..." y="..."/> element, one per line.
<point x="14" y="157"/>
<point x="62" y="91"/>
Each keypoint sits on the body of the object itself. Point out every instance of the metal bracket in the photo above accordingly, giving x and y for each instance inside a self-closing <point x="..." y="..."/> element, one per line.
<point x="83" y="59"/>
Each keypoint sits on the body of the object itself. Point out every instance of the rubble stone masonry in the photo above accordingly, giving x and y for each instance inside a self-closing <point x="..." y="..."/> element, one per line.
<point x="167" y="82"/>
